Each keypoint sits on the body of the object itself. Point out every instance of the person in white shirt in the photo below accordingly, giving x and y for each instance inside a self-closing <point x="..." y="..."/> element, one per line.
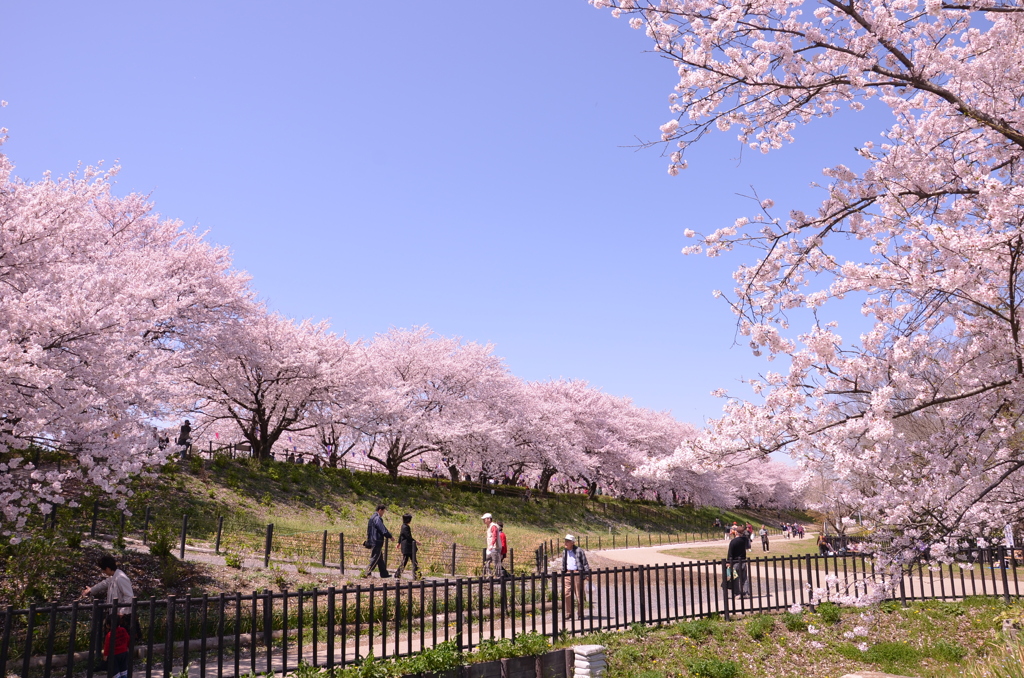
<point x="576" y="570"/>
<point x="492" y="554"/>
<point x="117" y="587"/>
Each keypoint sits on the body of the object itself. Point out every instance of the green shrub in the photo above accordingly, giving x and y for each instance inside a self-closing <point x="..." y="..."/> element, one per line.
<point x="170" y="573"/>
<point x="794" y="622"/>
<point x="531" y="645"/>
<point x="893" y="654"/>
<point x="491" y="650"/>
<point x="195" y="465"/>
<point x="712" y="668"/>
<point x="829" y="612"/>
<point x="760" y="626"/>
<point x="233" y="560"/>
<point x="440" y="658"/>
<point x="161" y="543"/>
<point x="950" y="609"/>
<point x="698" y="629"/>
<point x="639" y="630"/>
<point x="628" y="655"/>
<point x="374" y="668"/>
<point x="947" y="652"/>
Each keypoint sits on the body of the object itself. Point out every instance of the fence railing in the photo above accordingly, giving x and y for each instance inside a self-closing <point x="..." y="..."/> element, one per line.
<point x="236" y="634"/>
<point x="254" y="543"/>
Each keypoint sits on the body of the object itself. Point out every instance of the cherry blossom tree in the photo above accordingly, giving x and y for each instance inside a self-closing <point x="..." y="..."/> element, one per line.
<point x="921" y="413"/>
<point x="266" y="374"/>
<point x="422" y="394"/>
<point x="97" y="294"/>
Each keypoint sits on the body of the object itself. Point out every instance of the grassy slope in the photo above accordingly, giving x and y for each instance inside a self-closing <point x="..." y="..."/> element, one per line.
<point x="305" y="499"/>
<point x="309" y="499"/>
<point x="927" y="639"/>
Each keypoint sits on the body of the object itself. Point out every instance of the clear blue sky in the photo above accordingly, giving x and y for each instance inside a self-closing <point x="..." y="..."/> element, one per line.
<point x="394" y="164"/>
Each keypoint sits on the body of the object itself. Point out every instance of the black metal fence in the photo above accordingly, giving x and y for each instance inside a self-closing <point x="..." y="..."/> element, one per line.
<point x="236" y="634"/>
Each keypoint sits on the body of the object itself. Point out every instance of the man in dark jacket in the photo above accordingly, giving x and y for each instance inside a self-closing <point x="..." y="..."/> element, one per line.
<point x="376" y="533"/>
<point x="737" y="562"/>
<point x="577" y="571"/>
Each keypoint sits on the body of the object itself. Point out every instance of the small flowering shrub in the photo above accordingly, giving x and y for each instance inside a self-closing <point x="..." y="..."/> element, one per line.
<point x="794" y="621"/>
<point x="829" y="613"/>
<point x="712" y="668"/>
<point x="760" y="626"/>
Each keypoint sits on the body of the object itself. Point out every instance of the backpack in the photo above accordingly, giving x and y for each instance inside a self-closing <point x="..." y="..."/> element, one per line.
<point x="368" y="544"/>
<point x="504" y="544"/>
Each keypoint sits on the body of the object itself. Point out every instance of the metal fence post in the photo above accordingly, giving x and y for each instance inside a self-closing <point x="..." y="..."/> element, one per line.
<point x="453" y="560"/>
<point x="341" y="552"/>
<point x="220" y="528"/>
<point x="1003" y="564"/>
<point x="323" y="551"/>
<point x="643" y="593"/>
<point x="330" y="627"/>
<point x="554" y="605"/>
<point x="269" y="542"/>
<point x="184" y="531"/>
<point x="95" y="517"/>
<point x="458" y="615"/>
<point x="145" y="525"/>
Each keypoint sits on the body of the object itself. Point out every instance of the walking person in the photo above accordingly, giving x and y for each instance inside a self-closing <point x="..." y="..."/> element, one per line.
<point x="408" y="546"/>
<point x="576" y="571"/>
<point x="184" y="440"/>
<point x="764" y="538"/>
<point x="492" y="552"/>
<point x="504" y="547"/>
<point x="736" y="578"/>
<point x="115" y="586"/>
<point x="376" y="533"/>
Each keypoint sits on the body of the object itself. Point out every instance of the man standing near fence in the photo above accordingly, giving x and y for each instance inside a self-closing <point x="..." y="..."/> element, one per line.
<point x="376" y="533"/>
<point x="576" y="570"/>
<point x="492" y="554"/>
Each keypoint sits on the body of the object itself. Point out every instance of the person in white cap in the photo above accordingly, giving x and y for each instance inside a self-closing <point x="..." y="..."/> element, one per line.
<point x="492" y="554"/>
<point x="576" y="570"/>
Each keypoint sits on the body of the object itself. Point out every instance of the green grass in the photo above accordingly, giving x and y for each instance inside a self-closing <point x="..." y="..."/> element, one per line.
<point x="307" y="499"/>
<point x="928" y="640"/>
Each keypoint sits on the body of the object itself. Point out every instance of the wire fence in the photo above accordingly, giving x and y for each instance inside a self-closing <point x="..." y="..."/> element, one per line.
<point x="237" y="634"/>
<point x="249" y="543"/>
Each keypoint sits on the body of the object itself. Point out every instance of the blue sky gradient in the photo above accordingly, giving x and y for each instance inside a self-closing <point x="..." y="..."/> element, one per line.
<point x="395" y="164"/>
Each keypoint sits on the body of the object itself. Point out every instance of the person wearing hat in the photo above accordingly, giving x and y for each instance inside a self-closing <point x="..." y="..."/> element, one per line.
<point x="576" y="570"/>
<point x="492" y="553"/>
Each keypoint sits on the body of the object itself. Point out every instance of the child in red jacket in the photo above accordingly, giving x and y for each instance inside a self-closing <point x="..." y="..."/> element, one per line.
<point x="117" y="666"/>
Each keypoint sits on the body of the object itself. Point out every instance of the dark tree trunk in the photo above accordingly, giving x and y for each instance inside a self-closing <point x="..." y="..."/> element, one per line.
<point x="545" y="479"/>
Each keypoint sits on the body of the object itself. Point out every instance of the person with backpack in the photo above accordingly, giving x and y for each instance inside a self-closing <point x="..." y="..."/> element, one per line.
<point x="408" y="546"/>
<point x="376" y="533"/>
<point x="504" y="545"/>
